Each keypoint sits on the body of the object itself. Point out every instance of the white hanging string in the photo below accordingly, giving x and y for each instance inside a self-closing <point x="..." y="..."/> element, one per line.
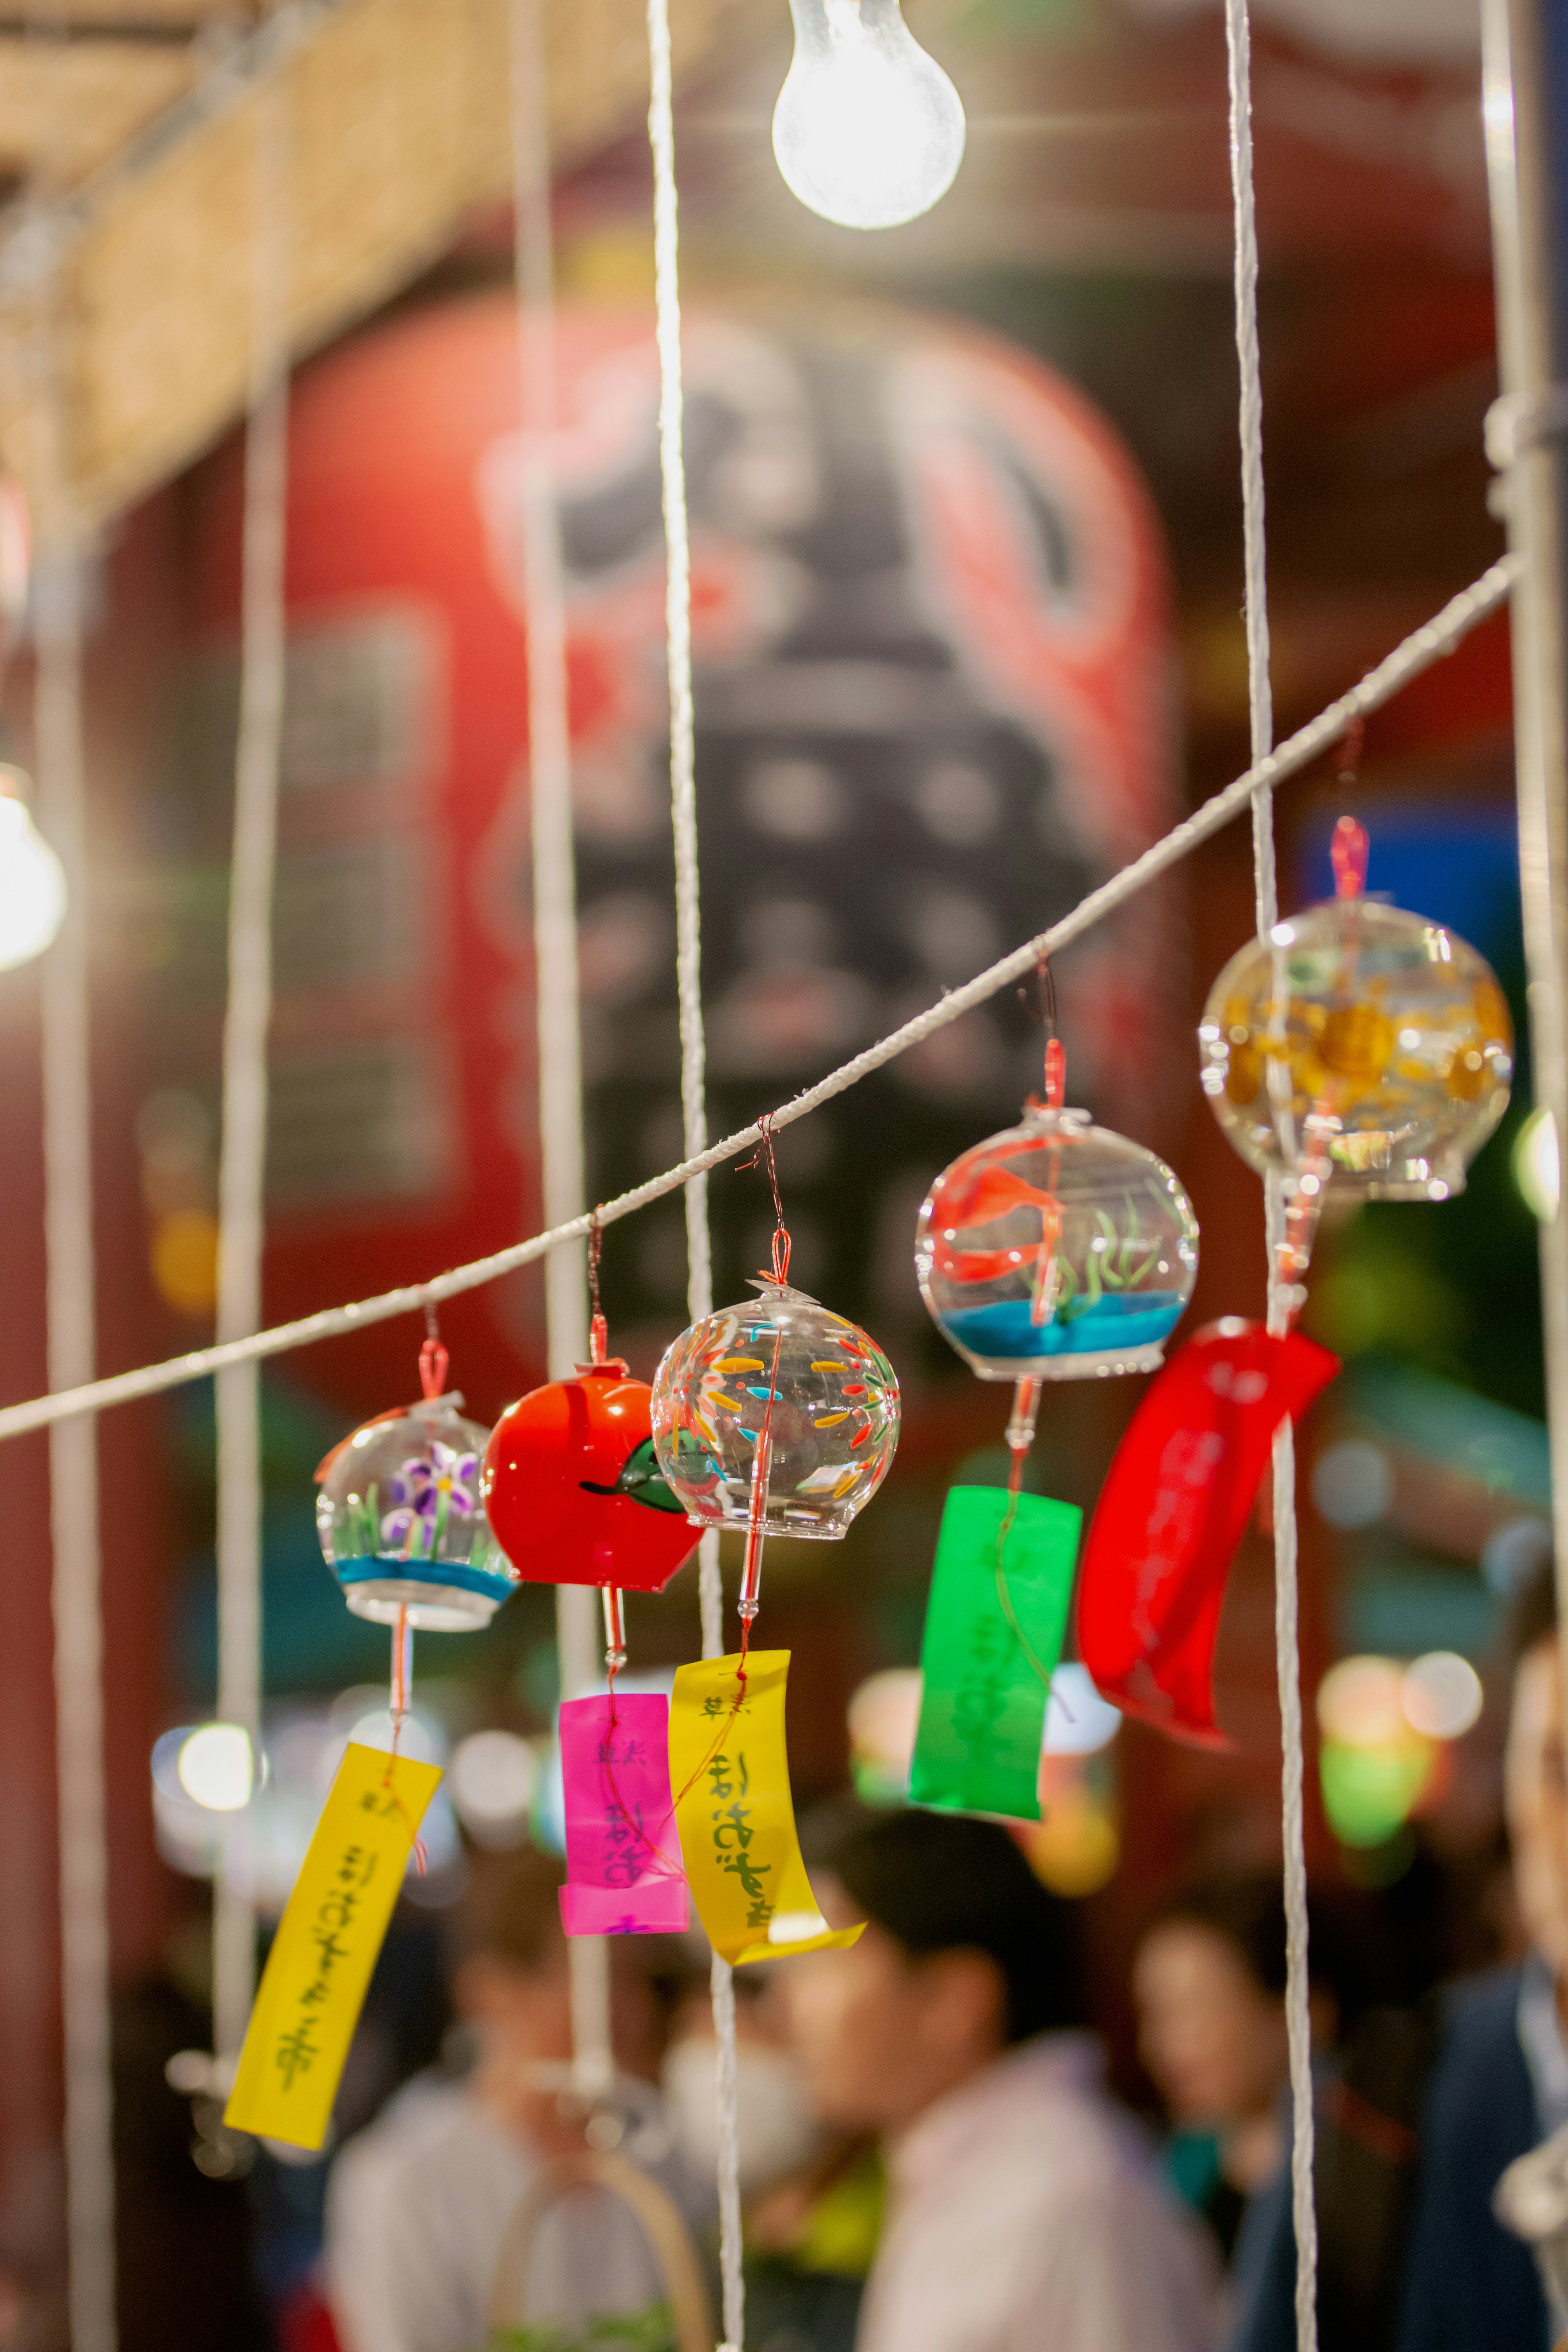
<point x="561" y="1145"/>
<point x="242" y="1163"/>
<point x="71" y="1293"/>
<point x="1260" y="701"/>
<point x="1424" y="646"/>
<point x="688" y="989"/>
<point x="1287" y="1646"/>
<point x="73" y="1457"/>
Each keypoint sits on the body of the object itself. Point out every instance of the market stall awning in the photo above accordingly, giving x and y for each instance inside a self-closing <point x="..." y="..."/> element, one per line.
<point x="134" y="283"/>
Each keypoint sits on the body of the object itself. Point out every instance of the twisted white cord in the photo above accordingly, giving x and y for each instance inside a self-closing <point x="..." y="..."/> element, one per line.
<point x="682" y="729"/>
<point x="242" y="1163"/>
<point x="1288" y="1656"/>
<point x="561" y="1144"/>
<point x="73" y="1465"/>
<point x="677" y="632"/>
<point x="1298" y="1983"/>
<point x="76" y="1578"/>
<point x="1418" y="652"/>
<point x="688" y="990"/>
<point x="1255" y="553"/>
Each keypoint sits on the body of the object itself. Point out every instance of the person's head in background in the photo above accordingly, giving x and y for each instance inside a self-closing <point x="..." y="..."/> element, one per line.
<point x="1208" y="1983"/>
<point x="511" y="1980"/>
<point x="963" y="1955"/>
<point x="1535" y="1798"/>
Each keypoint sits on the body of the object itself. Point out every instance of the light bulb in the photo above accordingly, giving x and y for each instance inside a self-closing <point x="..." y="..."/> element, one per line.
<point x="869" y="130"/>
<point x="1535" y="1164"/>
<point x="32" y="883"/>
<point x="216" y="1767"/>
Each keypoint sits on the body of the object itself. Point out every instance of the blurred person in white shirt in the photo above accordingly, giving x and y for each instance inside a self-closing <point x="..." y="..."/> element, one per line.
<point x="419" y="2200"/>
<point x="1024" y="2209"/>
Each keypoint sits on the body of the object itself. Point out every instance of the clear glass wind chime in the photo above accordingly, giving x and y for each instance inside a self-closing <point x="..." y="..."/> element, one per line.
<point x="1359" y="1047"/>
<point x="403" y="1524"/>
<point x="1054" y="1250"/>
<point x="774" y="1416"/>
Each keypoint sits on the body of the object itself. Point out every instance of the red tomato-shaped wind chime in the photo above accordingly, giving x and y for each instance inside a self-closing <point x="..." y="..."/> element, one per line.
<point x="1054" y="1251"/>
<point x="574" y="1494"/>
<point x="1360" y="1047"/>
<point x="576" y="1497"/>
<point x="773" y="1417"/>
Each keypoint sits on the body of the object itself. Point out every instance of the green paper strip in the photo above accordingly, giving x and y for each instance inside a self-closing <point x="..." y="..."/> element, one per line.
<point x="982" y="1708"/>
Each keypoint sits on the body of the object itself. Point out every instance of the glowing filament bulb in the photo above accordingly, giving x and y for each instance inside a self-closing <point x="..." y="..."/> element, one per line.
<point x="869" y="130"/>
<point x="32" y="881"/>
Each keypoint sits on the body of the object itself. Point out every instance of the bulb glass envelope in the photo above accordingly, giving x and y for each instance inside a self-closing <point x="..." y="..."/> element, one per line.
<point x="32" y="880"/>
<point x="402" y="1524"/>
<point x="1388" y="1059"/>
<point x="781" y="1378"/>
<point x="869" y="130"/>
<point x="1056" y="1250"/>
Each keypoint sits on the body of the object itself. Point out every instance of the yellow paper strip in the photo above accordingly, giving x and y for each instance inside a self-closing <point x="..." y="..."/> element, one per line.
<point x="731" y="1776"/>
<point x="319" y="1968"/>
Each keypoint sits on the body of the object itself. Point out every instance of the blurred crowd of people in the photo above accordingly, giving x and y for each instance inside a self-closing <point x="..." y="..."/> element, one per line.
<point x="931" y="2159"/>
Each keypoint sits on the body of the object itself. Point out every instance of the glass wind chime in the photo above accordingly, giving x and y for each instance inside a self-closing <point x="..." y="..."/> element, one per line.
<point x="1056" y="1250"/>
<point x="403" y="1524"/>
<point x="576" y="1498"/>
<point x="572" y="1488"/>
<point x="773" y="1417"/>
<point x="1359" y="1049"/>
<point x="403" y="1527"/>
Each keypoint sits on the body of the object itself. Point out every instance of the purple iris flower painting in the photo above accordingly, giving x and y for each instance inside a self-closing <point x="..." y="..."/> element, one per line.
<point x="429" y="1490"/>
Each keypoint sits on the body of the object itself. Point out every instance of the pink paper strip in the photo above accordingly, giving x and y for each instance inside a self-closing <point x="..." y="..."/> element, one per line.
<point x="623" y="1856"/>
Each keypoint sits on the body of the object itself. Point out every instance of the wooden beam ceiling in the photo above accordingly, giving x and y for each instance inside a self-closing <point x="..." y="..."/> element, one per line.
<point x="72" y="103"/>
<point x="399" y="129"/>
<point x="135" y="18"/>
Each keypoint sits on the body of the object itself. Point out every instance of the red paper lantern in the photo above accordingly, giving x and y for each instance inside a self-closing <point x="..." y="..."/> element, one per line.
<point x="573" y="1491"/>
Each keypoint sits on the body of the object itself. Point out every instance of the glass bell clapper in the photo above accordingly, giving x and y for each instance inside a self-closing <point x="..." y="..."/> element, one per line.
<point x="869" y="130"/>
<point x="1360" y="1047"/>
<point x="1056" y="1250"/>
<point x="611" y="1597"/>
<point x="776" y="1417"/>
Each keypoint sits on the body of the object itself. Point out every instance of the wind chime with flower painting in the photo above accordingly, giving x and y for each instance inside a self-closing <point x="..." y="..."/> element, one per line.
<point x="403" y="1525"/>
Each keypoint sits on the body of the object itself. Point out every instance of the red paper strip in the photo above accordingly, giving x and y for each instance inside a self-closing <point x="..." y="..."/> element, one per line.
<point x="623" y="1856"/>
<point x="1171" y="1512"/>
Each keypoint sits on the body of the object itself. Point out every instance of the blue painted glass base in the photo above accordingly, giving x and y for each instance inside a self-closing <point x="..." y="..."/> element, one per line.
<point x="494" y="1585"/>
<point x="1113" y="1326"/>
